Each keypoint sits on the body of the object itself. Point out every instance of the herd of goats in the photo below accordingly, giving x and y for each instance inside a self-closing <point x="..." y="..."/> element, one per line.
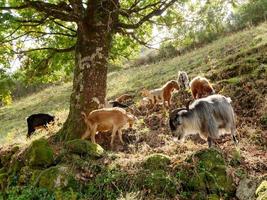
<point x="210" y="115"/>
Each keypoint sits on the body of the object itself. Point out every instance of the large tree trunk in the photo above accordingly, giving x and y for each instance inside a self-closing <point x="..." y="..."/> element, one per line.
<point x="90" y="74"/>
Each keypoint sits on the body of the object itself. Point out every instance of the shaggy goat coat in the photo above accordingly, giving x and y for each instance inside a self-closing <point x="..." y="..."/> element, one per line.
<point x="208" y="116"/>
<point x="183" y="80"/>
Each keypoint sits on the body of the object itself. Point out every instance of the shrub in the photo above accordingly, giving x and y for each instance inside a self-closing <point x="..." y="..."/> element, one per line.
<point x="253" y="12"/>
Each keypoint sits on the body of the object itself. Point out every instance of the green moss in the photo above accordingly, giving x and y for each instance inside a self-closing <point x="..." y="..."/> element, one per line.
<point x="84" y="147"/>
<point x="6" y="156"/>
<point x="158" y="182"/>
<point x="261" y="192"/>
<point x="208" y="159"/>
<point x="191" y="180"/>
<point x="156" y="162"/>
<point x="3" y="178"/>
<point x="15" y="166"/>
<point x="34" y="175"/>
<point x="54" y="177"/>
<point x="2" y="170"/>
<point x="108" y="184"/>
<point x="213" y="197"/>
<point x="218" y="180"/>
<point x="39" y="154"/>
<point x="234" y="80"/>
<point x="28" y="175"/>
<point x="205" y="171"/>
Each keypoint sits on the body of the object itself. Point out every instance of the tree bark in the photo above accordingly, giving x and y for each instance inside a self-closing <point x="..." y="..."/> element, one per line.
<point x="91" y="57"/>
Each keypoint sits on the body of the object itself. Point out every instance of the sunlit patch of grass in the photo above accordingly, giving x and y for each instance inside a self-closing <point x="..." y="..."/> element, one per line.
<point x="53" y="100"/>
<point x="234" y="80"/>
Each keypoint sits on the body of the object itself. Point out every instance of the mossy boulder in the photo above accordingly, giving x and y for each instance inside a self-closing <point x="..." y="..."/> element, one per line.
<point x="207" y="158"/>
<point x="156" y="162"/>
<point x="28" y="175"/>
<point x="205" y="171"/>
<point x="84" y="147"/>
<point x="157" y="182"/>
<point x="39" y="154"/>
<point x="56" y="177"/>
<point x="261" y="192"/>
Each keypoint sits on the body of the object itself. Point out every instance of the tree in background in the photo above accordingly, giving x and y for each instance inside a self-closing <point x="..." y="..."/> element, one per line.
<point x="49" y="35"/>
<point x="6" y="82"/>
<point x="251" y="13"/>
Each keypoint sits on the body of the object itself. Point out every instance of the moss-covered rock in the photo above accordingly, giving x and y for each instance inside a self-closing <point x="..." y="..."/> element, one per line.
<point x="15" y="166"/>
<point x="84" y="147"/>
<point x="54" y="178"/>
<point x="157" y="182"/>
<point x="28" y="175"/>
<point x="156" y="162"/>
<point x="207" y="159"/>
<point x="213" y="197"/>
<point x="39" y="154"/>
<point x="206" y="171"/>
<point x="261" y="192"/>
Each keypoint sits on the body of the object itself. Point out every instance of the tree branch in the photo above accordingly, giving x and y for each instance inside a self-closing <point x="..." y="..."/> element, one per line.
<point x="155" y="12"/>
<point x="72" y="48"/>
<point x="14" y="7"/>
<point x="60" y="11"/>
<point x="65" y="27"/>
<point x="133" y="36"/>
<point x="34" y="32"/>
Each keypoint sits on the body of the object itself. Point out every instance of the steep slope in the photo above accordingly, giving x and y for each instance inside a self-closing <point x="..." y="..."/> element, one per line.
<point x="153" y="164"/>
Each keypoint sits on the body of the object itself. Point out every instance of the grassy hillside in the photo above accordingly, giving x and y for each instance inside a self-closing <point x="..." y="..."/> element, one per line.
<point x="153" y="164"/>
<point x="241" y="54"/>
<point x="245" y="50"/>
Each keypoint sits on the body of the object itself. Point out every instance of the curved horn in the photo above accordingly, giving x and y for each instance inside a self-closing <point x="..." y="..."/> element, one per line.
<point x="187" y="105"/>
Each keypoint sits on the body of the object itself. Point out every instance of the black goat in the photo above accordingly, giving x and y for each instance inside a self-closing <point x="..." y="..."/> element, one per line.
<point x="39" y="120"/>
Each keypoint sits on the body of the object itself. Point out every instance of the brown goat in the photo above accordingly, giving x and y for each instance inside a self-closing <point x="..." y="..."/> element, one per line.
<point x="201" y="87"/>
<point x="106" y="119"/>
<point x="162" y="94"/>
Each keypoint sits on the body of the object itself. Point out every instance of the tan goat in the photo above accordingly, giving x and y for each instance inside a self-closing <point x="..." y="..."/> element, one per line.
<point x="161" y="94"/>
<point x="106" y="119"/>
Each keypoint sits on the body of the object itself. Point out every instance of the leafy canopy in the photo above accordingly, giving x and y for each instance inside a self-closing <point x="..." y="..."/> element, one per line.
<point x="41" y="35"/>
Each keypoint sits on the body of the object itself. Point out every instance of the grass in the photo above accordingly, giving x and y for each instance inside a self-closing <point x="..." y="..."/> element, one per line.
<point x="209" y="60"/>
